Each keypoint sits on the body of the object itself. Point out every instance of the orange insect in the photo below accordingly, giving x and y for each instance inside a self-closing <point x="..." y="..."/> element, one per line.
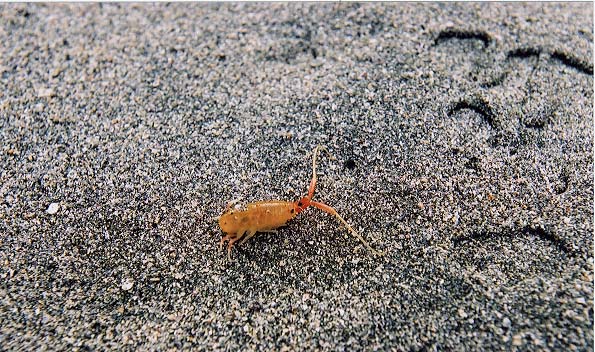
<point x="266" y="216"/>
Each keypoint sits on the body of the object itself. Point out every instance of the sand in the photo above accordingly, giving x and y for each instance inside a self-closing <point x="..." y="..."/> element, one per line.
<point x="459" y="141"/>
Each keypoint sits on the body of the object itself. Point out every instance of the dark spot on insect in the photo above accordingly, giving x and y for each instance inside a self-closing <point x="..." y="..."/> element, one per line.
<point x="292" y="211"/>
<point x="349" y="164"/>
<point x="299" y="204"/>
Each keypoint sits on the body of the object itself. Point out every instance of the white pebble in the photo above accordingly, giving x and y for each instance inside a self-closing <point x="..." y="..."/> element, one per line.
<point x="462" y="313"/>
<point x="127" y="284"/>
<point x="45" y="93"/>
<point x="581" y="300"/>
<point x="53" y="208"/>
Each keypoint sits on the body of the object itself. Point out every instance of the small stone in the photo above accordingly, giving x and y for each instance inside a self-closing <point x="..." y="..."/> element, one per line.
<point x="45" y="93"/>
<point x="581" y="300"/>
<point x="56" y="72"/>
<point x="53" y="208"/>
<point x="517" y="340"/>
<point x="506" y="322"/>
<point x="38" y="107"/>
<point x="127" y="284"/>
<point x="462" y="313"/>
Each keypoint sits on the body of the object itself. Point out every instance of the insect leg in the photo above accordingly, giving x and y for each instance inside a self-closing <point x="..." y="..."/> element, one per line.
<point x="225" y="238"/>
<point x="232" y="237"/>
<point x="333" y="212"/>
<point x="248" y="236"/>
<point x="251" y="234"/>
<point x="230" y="244"/>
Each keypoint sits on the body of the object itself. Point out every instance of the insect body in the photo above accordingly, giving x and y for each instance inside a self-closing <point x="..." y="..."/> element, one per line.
<point x="266" y="216"/>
